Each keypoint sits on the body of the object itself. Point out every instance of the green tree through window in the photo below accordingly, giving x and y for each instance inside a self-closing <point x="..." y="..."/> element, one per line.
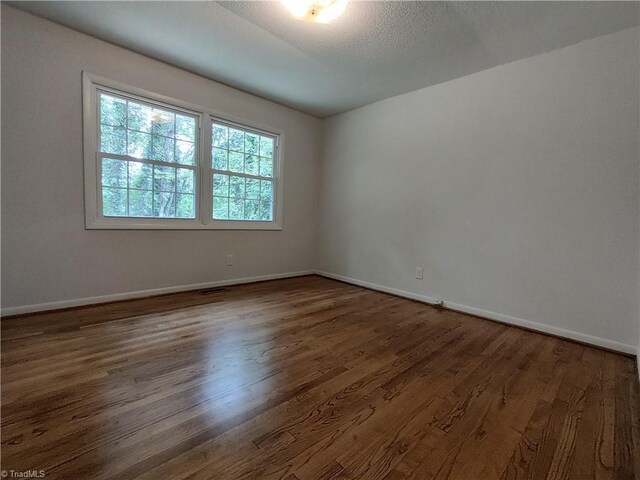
<point x="243" y="183"/>
<point x="148" y="159"/>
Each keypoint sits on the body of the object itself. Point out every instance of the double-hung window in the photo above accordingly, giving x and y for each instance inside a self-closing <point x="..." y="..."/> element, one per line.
<point x="243" y="182"/>
<point x="157" y="163"/>
<point x="146" y="159"/>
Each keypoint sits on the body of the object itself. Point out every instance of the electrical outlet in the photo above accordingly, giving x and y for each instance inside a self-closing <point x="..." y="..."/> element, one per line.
<point x="229" y="260"/>
<point x="419" y="273"/>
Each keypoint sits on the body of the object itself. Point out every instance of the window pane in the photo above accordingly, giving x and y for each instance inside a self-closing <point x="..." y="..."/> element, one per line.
<point x="251" y="143"/>
<point x="185" y="178"/>
<point x="220" y="135"/>
<point x="236" y="209"/>
<point x="140" y="117"/>
<point x="139" y="145"/>
<point x="147" y="132"/>
<point x="185" y="128"/>
<point x="236" y="162"/>
<point x="185" y="152"/>
<point x="164" y="178"/>
<point x="153" y="190"/>
<point x="185" y="206"/>
<point x="163" y="122"/>
<point x="162" y="149"/>
<point x="114" y="202"/>
<point x="236" y="140"/>
<point x="140" y="203"/>
<point x="266" y="190"/>
<point x="251" y="164"/>
<point x="251" y="210"/>
<point x="266" y="167"/>
<point x="114" y="173"/>
<point x="266" y="147"/>
<point x="140" y="175"/>
<point x="237" y="150"/>
<point x="113" y="111"/>
<point x="220" y="208"/>
<point x="265" y="210"/>
<point x="113" y="140"/>
<point x="221" y="185"/>
<point x="164" y="204"/>
<point x="236" y="187"/>
<point x="219" y="159"/>
<point x="252" y="188"/>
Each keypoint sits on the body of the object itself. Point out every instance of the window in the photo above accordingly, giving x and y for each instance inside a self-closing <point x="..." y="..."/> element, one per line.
<point x="148" y="164"/>
<point x="242" y="173"/>
<point x="147" y="158"/>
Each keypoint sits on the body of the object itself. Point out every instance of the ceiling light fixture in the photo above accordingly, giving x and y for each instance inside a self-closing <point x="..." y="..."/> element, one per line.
<point x="319" y="11"/>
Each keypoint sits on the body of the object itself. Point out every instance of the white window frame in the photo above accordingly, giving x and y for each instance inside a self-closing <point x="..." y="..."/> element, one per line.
<point x="211" y="171"/>
<point x="203" y="187"/>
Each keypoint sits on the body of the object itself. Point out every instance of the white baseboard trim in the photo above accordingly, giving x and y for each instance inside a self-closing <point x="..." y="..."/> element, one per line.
<point x="539" y="327"/>
<point x="145" y="293"/>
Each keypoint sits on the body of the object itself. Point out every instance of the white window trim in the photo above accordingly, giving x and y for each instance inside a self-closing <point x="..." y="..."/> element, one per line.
<point x="204" y="218"/>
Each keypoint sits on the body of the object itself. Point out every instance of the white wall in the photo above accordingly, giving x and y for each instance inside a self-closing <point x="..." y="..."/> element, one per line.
<point x="515" y="188"/>
<point x="47" y="255"/>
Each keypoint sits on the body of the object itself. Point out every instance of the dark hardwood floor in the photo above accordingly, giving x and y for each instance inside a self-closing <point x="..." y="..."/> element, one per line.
<point x="308" y="378"/>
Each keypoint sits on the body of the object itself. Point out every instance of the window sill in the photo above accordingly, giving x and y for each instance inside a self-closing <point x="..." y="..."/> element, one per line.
<point x="173" y="224"/>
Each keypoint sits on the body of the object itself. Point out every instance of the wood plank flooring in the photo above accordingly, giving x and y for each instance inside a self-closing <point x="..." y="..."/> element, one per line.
<point x="308" y="378"/>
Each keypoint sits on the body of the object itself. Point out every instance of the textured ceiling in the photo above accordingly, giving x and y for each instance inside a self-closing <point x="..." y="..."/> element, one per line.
<point x="374" y="51"/>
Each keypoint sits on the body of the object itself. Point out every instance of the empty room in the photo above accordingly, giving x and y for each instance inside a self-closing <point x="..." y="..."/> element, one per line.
<point x="320" y="239"/>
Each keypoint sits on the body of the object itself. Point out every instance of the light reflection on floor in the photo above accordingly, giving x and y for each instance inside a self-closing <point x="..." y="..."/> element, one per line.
<point x="235" y="380"/>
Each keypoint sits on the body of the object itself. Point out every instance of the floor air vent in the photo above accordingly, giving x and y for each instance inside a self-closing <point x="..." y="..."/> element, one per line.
<point x="207" y="291"/>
